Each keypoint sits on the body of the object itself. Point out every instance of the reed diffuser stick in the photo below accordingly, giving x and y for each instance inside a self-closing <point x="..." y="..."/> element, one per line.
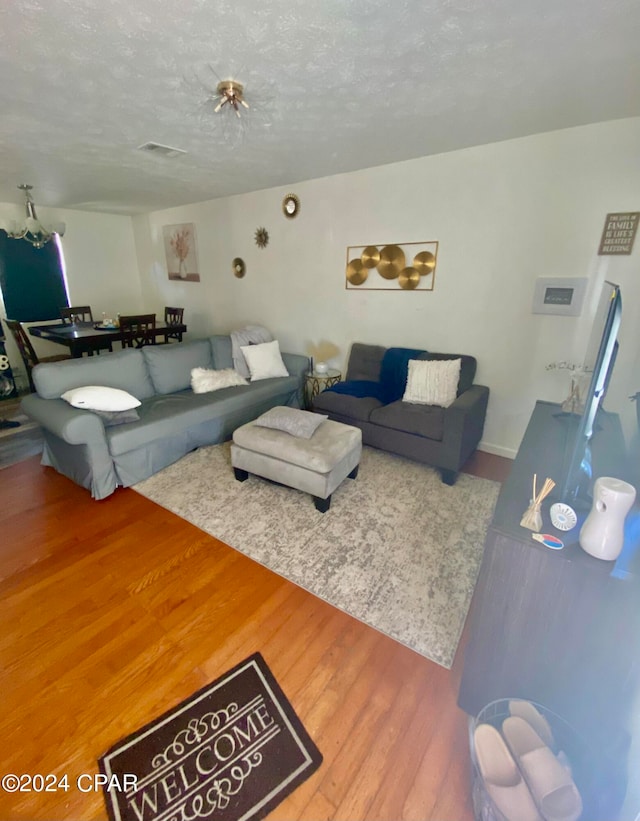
<point x="532" y="518"/>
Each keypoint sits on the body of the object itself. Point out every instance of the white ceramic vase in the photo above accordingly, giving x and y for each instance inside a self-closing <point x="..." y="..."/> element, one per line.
<point x="602" y="534"/>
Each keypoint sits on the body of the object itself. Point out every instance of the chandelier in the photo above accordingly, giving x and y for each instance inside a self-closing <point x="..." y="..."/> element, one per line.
<point x="230" y="93"/>
<point x="33" y="230"/>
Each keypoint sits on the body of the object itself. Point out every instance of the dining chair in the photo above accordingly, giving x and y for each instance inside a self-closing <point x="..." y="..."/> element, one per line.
<point x="83" y="313"/>
<point x="27" y="351"/>
<point x="137" y="330"/>
<point x="173" y="316"/>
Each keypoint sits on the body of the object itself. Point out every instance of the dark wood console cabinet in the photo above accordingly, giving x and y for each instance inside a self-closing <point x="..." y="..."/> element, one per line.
<point x="555" y="626"/>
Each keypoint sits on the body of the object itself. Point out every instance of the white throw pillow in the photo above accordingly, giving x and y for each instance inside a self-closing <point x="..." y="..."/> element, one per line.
<point x="264" y="361"/>
<point x="432" y="382"/>
<point x="205" y="380"/>
<point x="96" y="397"/>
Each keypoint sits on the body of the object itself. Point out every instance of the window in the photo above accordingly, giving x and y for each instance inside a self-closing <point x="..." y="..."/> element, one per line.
<point x="32" y="279"/>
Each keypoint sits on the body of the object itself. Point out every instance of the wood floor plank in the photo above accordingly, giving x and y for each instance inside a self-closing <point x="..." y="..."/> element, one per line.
<point x="115" y="611"/>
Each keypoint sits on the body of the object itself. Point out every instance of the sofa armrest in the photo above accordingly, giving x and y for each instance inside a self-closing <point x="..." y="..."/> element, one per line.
<point x="74" y="426"/>
<point x="297" y="364"/>
<point x="463" y="425"/>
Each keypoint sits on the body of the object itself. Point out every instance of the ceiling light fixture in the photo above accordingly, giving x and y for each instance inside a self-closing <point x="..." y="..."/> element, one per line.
<point x="33" y="230"/>
<point x="230" y="93"/>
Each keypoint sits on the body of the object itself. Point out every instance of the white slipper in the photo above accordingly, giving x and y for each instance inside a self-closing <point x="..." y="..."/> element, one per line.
<point x="550" y="783"/>
<point x="533" y="717"/>
<point x="502" y="778"/>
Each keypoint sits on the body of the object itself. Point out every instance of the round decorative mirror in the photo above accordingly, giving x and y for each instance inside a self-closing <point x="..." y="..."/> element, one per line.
<point x="290" y="206"/>
<point x="238" y="267"/>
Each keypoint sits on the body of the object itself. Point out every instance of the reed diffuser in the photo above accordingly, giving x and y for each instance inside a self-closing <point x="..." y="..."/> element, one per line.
<point x="532" y="518"/>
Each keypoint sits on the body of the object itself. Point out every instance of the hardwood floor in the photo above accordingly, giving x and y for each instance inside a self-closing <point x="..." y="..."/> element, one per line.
<point x="115" y="611"/>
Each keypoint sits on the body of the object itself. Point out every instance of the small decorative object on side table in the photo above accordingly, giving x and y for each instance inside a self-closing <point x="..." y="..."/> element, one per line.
<point x="316" y="382"/>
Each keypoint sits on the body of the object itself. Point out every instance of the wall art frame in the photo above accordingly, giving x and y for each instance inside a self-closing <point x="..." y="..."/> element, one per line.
<point x="180" y="252"/>
<point x="407" y="266"/>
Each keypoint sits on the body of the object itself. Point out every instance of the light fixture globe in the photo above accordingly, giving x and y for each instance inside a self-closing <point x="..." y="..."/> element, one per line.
<point x="33" y="230"/>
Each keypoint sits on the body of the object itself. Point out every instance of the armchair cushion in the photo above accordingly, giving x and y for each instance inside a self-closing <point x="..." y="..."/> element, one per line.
<point x="422" y="420"/>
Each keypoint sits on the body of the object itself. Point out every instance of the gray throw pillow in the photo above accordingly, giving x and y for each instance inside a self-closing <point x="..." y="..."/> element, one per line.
<point x="111" y="418"/>
<point x="291" y="420"/>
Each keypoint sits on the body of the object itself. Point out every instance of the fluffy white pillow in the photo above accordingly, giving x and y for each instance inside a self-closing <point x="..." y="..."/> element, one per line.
<point x="96" y="397"/>
<point x="264" y="361"/>
<point x="432" y="382"/>
<point x="205" y="380"/>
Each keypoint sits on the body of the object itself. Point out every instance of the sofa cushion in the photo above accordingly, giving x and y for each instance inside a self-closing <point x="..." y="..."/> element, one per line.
<point x="124" y="369"/>
<point x="221" y="349"/>
<point x="340" y="404"/>
<point x="170" y="366"/>
<point x="359" y="387"/>
<point x="365" y="362"/>
<point x="423" y="420"/>
<point x="467" y="368"/>
<point x="167" y="415"/>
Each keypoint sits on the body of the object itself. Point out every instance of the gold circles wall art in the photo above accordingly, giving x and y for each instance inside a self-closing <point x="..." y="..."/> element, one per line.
<point x="409" y="266"/>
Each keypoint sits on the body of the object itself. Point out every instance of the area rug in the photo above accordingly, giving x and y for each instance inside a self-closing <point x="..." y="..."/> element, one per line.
<point x="397" y="549"/>
<point x="234" y="750"/>
<point x="19" y="442"/>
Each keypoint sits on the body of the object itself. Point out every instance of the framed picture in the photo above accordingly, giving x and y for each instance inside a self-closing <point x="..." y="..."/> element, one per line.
<point x="410" y="266"/>
<point x="562" y="296"/>
<point x="180" y="252"/>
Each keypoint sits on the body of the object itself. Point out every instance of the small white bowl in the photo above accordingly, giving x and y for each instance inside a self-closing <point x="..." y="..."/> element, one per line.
<point x="563" y="517"/>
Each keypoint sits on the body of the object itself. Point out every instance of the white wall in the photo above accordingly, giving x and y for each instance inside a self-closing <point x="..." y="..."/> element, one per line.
<point x="504" y="214"/>
<point x="101" y="264"/>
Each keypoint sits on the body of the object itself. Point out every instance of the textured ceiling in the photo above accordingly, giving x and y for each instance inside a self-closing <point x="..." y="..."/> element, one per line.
<point x="333" y="86"/>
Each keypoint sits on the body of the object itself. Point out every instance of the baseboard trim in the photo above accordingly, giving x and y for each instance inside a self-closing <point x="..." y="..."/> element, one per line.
<point x="498" y="450"/>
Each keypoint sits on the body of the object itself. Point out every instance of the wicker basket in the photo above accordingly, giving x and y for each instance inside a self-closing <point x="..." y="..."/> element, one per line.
<point x="587" y="773"/>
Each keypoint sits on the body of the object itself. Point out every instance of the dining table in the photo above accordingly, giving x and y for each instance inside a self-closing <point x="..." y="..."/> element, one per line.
<point x="89" y="337"/>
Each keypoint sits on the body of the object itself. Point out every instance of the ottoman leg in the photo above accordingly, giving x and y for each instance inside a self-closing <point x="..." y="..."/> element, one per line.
<point x="354" y="473"/>
<point x="322" y="505"/>
<point x="241" y="475"/>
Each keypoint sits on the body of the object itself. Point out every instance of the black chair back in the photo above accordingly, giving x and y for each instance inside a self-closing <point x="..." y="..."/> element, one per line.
<point x="27" y="352"/>
<point x="80" y="313"/>
<point x="173" y="316"/>
<point x="137" y="330"/>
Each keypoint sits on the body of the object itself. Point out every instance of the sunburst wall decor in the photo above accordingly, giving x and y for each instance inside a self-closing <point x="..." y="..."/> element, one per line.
<point x="262" y="237"/>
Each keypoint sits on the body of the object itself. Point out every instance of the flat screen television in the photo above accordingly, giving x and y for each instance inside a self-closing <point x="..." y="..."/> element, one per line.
<point x="575" y="485"/>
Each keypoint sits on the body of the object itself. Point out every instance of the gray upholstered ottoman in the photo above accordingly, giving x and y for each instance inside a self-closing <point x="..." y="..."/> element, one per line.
<point x="316" y="465"/>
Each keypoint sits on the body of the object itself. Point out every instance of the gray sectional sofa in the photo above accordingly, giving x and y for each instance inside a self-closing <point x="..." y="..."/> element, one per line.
<point x="173" y="419"/>
<point x="371" y="399"/>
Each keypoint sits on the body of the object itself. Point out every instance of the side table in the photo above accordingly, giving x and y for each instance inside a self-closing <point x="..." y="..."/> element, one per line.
<point x="315" y="383"/>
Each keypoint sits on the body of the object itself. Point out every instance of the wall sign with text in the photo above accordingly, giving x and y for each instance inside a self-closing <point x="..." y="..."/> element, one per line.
<point x="619" y="233"/>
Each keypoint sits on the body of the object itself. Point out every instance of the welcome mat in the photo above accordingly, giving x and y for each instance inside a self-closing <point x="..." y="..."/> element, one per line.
<point x="232" y="751"/>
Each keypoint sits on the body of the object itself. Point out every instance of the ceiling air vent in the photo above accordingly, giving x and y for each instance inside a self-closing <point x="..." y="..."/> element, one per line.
<point x="161" y="150"/>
